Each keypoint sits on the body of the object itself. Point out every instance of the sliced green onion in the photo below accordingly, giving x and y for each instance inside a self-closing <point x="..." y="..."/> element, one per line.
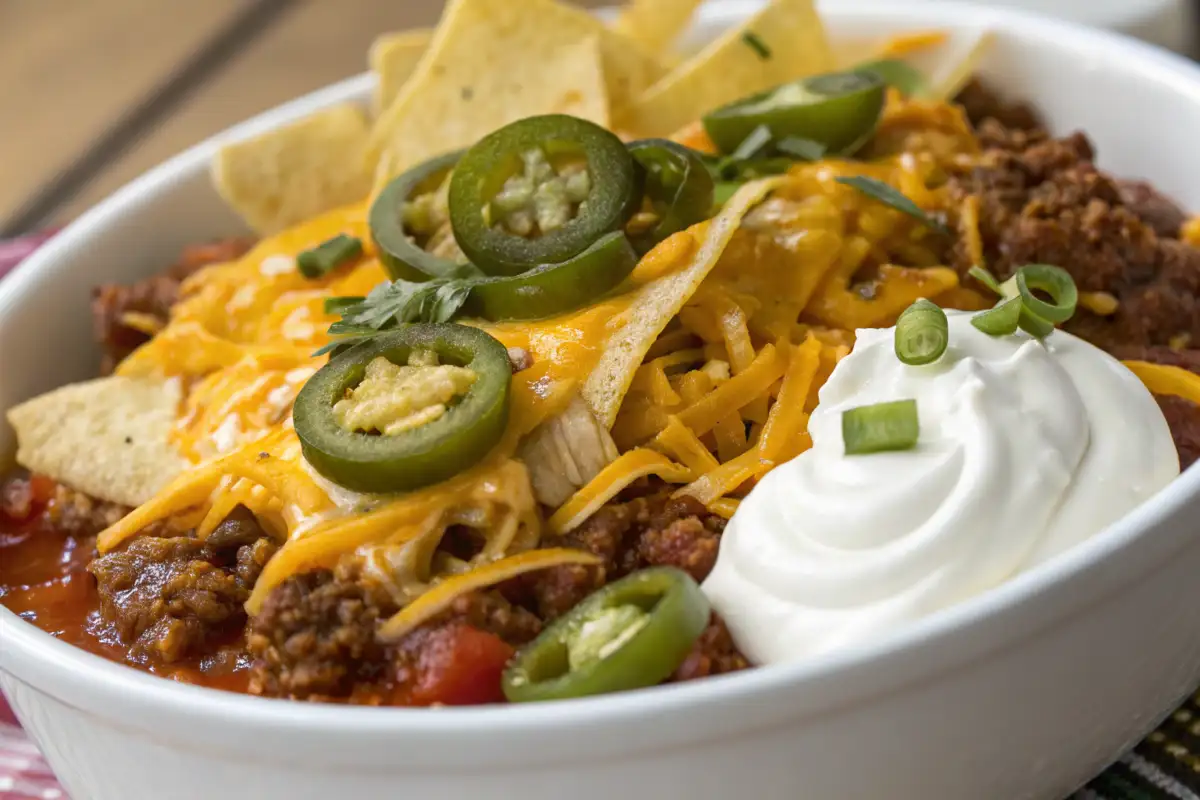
<point x="1034" y="325"/>
<point x="986" y="278"/>
<point x="1054" y="281"/>
<point x="328" y="256"/>
<point x="755" y="43"/>
<point x="881" y="427"/>
<point x="801" y="148"/>
<point x="922" y="333"/>
<point x="753" y="144"/>
<point x="1001" y="320"/>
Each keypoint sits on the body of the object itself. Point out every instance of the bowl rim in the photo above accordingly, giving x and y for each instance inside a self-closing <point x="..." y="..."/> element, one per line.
<point x="933" y="645"/>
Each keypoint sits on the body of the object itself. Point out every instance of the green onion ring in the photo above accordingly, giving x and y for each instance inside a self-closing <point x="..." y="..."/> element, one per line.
<point x="922" y="334"/>
<point x="986" y="278"/>
<point x="1056" y="282"/>
<point x="880" y="427"/>
<point x="1034" y="325"/>
<point x="1001" y="320"/>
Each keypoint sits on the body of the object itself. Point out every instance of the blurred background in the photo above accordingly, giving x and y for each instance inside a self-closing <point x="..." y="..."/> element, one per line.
<point x="94" y="92"/>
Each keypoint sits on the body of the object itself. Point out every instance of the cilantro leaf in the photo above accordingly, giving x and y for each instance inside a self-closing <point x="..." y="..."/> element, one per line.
<point x="391" y="304"/>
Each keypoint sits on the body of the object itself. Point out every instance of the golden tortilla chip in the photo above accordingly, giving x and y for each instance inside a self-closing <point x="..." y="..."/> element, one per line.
<point x="291" y="174"/>
<point x="946" y="59"/>
<point x="109" y="438"/>
<point x="492" y="62"/>
<point x="394" y="58"/>
<point x="655" y="24"/>
<point x="659" y="301"/>
<point x="783" y="42"/>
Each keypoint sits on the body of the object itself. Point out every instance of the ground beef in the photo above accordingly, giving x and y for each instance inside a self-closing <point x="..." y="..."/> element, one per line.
<point x="489" y="611"/>
<point x="714" y="653"/>
<point x="315" y="636"/>
<point x="52" y="506"/>
<point x="152" y="297"/>
<point x="1153" y="207"/>
<point x="165" y="596"/>
<point x="1183" y="417"/>
<point x="648" y="531"/>
<point x="1042" y="200"/>
<point x="981" y="102"/>
<point x="169" y="597"/>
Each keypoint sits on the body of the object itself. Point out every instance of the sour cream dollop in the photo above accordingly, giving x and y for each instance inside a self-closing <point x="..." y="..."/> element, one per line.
<point x="1026" y="449"/>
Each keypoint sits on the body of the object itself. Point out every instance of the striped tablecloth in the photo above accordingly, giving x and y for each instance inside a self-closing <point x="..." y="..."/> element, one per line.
<point x="1166" y="766"/>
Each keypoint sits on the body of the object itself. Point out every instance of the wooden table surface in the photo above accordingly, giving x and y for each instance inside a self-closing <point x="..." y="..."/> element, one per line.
<point x="94" y="92"/>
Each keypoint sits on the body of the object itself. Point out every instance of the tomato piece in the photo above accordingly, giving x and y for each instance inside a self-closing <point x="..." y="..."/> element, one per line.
<point x="459" y="665"/>
<point x="42" y="489"/>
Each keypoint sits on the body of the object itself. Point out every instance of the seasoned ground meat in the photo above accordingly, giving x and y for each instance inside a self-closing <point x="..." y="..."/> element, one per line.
<point x="169" y="597"/>
<point x="315" y="636"/>
<point x="647" y="531"/>
<point x="981" y="102"/>
<point x="152" y="298"/>
<point x="1153" y="207"/>
<point x="714" y="653"/>
<point x="72" y="513"/>
<point x="1042" y="200"/>
<point x="1183" y="417"/>
<point x="165" y="596"/>
<point x="488" y="611"/>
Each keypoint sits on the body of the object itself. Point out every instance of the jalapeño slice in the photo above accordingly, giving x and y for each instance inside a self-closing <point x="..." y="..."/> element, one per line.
<point x="838" y="110"/>
<point x="481" y="175"/>
<point x="424" y="455"/>
<point x="627" y="635"/>
<point x="401" y="256"/>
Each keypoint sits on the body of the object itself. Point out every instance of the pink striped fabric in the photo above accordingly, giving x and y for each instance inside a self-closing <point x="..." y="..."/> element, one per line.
<point x="24" y="774"/>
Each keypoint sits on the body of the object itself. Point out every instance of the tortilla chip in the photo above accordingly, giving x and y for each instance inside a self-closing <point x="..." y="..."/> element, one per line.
<point x="291" y="174"/>
<point x="659" y="301"/>
<point x="731" y="68"/>
<point x="109" y="438"/>
<point x="394" y="58"/>
<point x="946" y="59"/>
<point x="655" y="24"/>
<point x="492" y="62"/>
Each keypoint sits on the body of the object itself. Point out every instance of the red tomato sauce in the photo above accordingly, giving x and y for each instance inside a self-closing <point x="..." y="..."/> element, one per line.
<point x="44" y="580"/>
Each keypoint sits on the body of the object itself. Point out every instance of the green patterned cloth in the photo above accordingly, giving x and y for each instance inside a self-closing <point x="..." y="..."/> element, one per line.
<point x="1166" y="766"/>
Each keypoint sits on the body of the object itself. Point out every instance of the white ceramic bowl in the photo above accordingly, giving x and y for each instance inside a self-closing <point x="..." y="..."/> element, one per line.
<point x="1022" y="693"/>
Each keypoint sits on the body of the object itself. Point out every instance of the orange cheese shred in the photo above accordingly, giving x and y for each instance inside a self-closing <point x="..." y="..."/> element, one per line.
<point x="679" y="441"/>
<point x="788" y="418"/>
<point x="1168" y="380"/>
<point x="725" y="478"/>
<point x="737" y="392"/>
<point x="612" y="479"/>
<point x="439" y="598"/>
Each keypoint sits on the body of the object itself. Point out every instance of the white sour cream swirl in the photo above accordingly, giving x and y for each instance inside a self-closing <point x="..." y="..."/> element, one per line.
<point x="1026" y="449"/>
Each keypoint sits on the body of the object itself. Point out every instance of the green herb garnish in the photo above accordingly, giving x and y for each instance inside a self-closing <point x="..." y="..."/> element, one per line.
<point x="755" y="43"/>
<point x="753" y="144"/>
<point x="889" y="196"/>
<point x="391" y="304"/>
<point x="319" y="261"/>
<point x="803" y="149"/>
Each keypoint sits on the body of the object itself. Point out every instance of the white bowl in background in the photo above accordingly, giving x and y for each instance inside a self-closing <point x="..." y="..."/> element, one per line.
<point x="1023" y="692"/>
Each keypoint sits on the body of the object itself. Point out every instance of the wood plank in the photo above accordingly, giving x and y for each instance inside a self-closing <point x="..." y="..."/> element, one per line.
<point x="70" y="68"/>
<point x="311" y="46"/>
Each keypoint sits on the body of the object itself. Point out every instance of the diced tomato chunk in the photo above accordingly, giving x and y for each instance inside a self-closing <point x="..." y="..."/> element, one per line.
<point x="458" y="665"/>
<point x="42" y="488"/>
